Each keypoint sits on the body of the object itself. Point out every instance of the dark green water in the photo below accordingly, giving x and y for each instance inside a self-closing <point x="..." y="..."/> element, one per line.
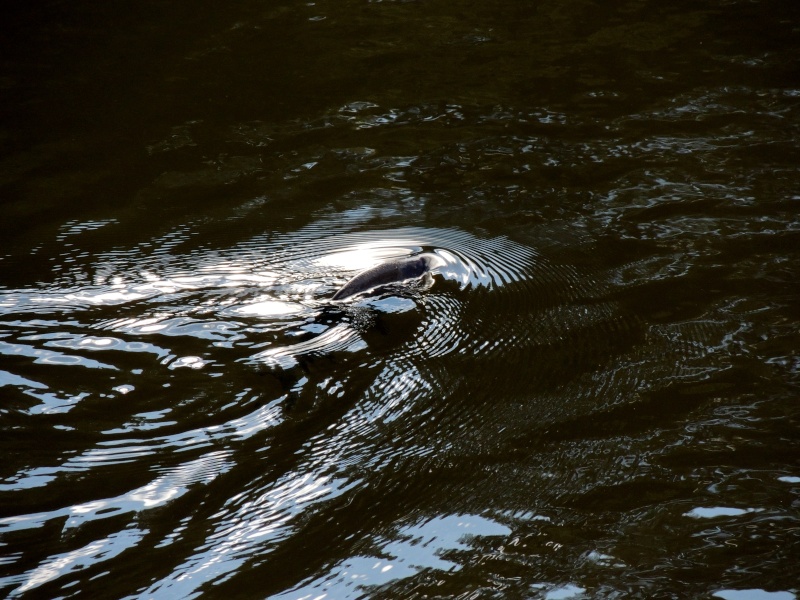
<point x="596" y="398"/>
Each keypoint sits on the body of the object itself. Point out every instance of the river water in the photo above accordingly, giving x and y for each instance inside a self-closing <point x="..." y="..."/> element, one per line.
<point x="595" y="395"/>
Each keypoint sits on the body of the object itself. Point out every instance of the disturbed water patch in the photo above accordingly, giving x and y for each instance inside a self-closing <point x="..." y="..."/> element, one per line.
<point x="196" y="361"/>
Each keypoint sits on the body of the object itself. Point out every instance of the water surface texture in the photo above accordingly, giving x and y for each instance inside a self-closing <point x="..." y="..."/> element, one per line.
<point x="593" y="395"/>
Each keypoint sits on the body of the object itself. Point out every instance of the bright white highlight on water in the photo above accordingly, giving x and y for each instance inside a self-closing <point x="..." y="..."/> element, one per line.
<point x="564" y="592"/>
<point x="364" y="255"/>
<point x="269" y="308"/>
<point x="414" y="548"/>
<point x="192" y="362"/>
<point x="754" y="594"/>
<point x="718" y="511"/>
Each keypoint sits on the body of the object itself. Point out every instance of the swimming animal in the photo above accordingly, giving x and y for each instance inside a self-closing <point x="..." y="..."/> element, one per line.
<point x="392" y="271"/>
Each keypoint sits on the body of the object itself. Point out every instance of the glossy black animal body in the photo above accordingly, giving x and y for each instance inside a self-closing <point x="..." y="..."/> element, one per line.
<point x="391" y="271"/>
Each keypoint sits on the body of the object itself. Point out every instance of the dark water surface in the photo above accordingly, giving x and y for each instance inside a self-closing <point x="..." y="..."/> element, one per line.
<point x="597" y="397"/>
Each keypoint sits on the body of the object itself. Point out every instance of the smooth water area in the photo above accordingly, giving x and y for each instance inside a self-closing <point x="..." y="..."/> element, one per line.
<point x="593" y="395"/>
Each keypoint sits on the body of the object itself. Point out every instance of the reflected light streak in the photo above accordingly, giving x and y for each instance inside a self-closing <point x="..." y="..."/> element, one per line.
<point x="82" y="558"/>
<point x="268" y="308"/>
<point x="362" y="256"/>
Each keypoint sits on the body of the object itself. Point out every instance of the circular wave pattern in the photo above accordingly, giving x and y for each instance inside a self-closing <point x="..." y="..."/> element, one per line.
<point x="482" y="280"/>
<point x="471" y="268"/>
<point x="493" y="296"/>
<point x="316" y="382"/>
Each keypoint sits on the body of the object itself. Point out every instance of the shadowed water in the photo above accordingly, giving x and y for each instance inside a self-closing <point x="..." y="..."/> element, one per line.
<point x="593" y="395"/>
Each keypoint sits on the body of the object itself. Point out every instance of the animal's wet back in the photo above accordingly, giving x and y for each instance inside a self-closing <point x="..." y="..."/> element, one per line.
<point x="396" y="270"/>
